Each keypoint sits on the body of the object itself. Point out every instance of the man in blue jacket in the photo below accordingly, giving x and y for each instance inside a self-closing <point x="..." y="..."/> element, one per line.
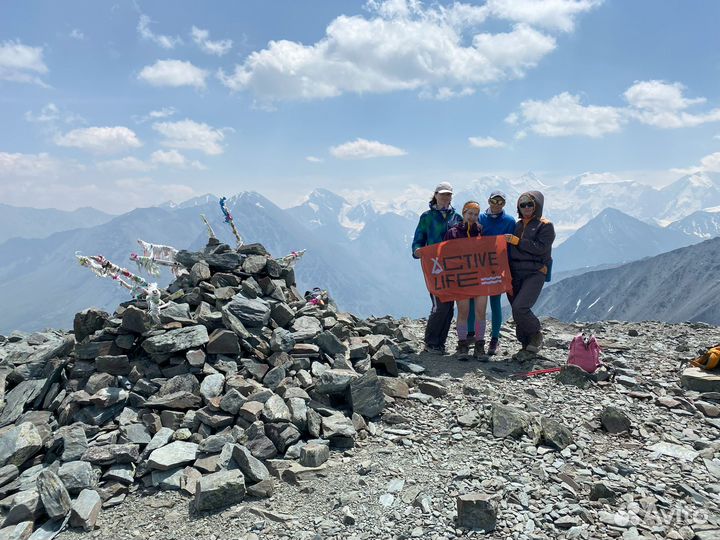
<point x="495" y="222"/>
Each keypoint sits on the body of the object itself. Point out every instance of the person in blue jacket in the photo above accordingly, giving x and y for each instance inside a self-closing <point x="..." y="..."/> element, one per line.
<point x="494" y="222"/>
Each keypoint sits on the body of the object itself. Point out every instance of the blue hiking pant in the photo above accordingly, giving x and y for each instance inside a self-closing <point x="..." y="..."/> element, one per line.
<point x="495" y="309"/>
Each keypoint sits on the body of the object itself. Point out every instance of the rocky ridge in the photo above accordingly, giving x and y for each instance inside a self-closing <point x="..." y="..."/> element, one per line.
<point x="282" y="419"/>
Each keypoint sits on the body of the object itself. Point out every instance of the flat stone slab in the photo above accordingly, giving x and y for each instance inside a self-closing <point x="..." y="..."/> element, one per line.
<point x="173" y="455"/>
<point x="699" y="380"/>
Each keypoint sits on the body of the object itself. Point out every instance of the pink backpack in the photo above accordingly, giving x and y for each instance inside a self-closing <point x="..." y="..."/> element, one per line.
<point x="585" y="353"/>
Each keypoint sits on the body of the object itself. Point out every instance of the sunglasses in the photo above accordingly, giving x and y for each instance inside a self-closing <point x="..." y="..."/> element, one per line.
<point x="526" y="204"/>
<point x="496" y="201"/>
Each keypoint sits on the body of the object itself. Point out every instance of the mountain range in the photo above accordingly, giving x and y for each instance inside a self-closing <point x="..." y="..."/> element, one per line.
<point x="359" y="252"/>
<point x="680" y="285"/>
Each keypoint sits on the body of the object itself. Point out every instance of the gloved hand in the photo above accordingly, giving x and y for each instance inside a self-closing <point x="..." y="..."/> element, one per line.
<point x="512" y="239"/>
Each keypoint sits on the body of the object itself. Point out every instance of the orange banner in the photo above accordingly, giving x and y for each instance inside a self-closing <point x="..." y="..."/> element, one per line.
<point x="467" y="267"/>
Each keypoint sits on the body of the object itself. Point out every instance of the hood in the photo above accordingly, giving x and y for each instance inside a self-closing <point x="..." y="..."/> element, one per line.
<point x="539" y="203"/>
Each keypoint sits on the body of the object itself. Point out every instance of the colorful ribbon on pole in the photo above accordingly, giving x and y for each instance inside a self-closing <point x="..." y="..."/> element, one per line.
<point x="291" y="259"/>
<point x="211" y="233"/>
<point x="229" y="220"/>
<point x="156" y="255"/>
<point x="101" y="267"/>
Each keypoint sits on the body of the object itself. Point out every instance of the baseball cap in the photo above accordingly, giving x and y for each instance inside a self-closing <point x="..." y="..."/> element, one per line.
<point x="498" y="193"/>
<point x="444" y="187"/>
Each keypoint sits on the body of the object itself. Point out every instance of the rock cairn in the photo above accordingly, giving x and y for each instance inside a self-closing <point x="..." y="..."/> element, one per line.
<point x="240" y="381"/>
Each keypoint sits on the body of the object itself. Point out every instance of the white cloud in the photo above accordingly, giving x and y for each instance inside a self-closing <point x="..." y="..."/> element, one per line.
<point x="655" y="103"/>
<point x="190" y="135"/>
<point x="552" y="14"/>
<point x="28" y="165"/>
<point x="165" y="112"/>
<point x="485" y="142"/>
<point x="364" y="149"/>
<point x="100" y="139"/>
<point x="173" y="73"/>
<point x="564" y="115"/>
<point x="406" y="46"/>
<point x="662" y="104"/>
<point x="21" y="63"/>
<point x="313" y="159"/>
<point x="717" y="136"/>
<point x="166" y="42"/>
<point x="173" y="158"/>
<point x="126" y="164"/>
<point x="711" y="163"/>
<point x="51" y="114"/>
<point x="202" y="39"/>
<point x="77" y="34"/>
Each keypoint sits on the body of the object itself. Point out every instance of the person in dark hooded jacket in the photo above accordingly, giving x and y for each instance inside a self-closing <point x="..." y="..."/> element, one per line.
<point x="530" y="257"/>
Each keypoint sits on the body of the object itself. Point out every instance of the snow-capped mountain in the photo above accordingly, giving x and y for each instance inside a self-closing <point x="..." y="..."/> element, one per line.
<point x="614" y="237"/>
<point x="704" y="224"/>
<point x="689" y="194"/>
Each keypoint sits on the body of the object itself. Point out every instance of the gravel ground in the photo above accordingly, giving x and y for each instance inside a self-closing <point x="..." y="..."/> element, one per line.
<point x="403" y="480"/>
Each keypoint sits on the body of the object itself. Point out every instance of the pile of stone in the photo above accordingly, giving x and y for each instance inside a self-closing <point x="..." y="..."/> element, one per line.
<point x="241" y="381"/>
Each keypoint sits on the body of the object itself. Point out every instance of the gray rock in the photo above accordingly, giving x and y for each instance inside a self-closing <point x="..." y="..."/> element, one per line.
<point x="88" y="321"/>
<point x="8" y="473"/>
<point x="195" y="358"/>
<point x="508" y="421"/>
<point x="135" y="320"/>
<point x="223" y="341"/>
<point x="282" y="314"/>
<point x="160" y="439"/>
<point x="16" y="399"/>
<point x="555" y="434"/>
<point x="85" y="510"/>
<point x="77" y="475"/>
<point x="173" y="455"/>
<point x="54" y="495"/>
<point x="432" y="388"/>
<point x="275" y="410"/>
<point x="219" y="490"/>
<point x="614" y="420"/>
<point x="21" y="531"/>
<point x="74" y="442"/>
<point x="200" y="271"/>
<point x="252" y="312"/>
<point x="283" y="435"/>
<point x="212" y="386"/>
<point x="335" y="381"/>
<point x="476" y="511"/>
<point x="215" y="443"/>
<point x="177" y="340"/>
<point x="314" y="455"/>
<point x="261" y="446"/>
<point x="175" y="400"/>
<point x="19" y="443"/>
<point x="385" y="358"/>
<point x="232" y="401"/>
<point x="25" y="506"/>
<point x="330" y="344"/>
<point x="252" y="468"/>
<point x="254" y="264"/>
<point x="298" y="412"/>
<point x="282" y="340"/>
<point x="601" y="491"/>
<point x="366" y="395"/>
<point x="338" y="425"/>
<point x="170" y="479"/>
<point x="574" y="376"/>
<point x="114" y="365"/>
<point x="274" y="377"/>
<point x="112" y="453"/>
<point x="135" y="433"/>
<point x="305" y="328"/>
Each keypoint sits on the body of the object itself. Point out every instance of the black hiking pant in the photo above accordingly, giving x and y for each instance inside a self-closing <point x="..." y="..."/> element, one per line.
<point x="439" y="321"/>
<point x="526" y="287"/>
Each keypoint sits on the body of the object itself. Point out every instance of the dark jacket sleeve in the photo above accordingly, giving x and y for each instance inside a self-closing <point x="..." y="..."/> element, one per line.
<point x="542" y="243"/>
<point x="420" y="238"/>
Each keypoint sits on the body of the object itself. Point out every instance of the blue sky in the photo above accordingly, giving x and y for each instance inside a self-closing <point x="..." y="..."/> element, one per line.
<point x="119" y="105"/>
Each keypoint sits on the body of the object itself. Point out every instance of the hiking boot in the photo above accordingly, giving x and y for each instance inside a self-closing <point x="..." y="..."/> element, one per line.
<point x="463" y="348"/>
<point x="479" y="351"/>
<point x="523" y="355"/>
<point x="493" y="347"/>
<point x="536" y="343"/>
<point x="432" y="349"/>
